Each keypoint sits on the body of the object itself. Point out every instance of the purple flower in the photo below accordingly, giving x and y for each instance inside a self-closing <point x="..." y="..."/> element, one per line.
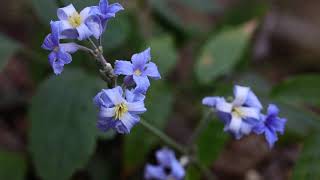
<point x="118" y="112"/>
<point x="138" y="70"/>
<point x="75" y="25"/>
<point x="240" y="115"/>
<point x="60" y="54"/>
<point x="106" y="11"/>
<point x="168" y="167"/>
<point x="270" y="125"/>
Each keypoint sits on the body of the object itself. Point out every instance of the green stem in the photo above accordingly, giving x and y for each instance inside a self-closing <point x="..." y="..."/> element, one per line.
<point x="166" y="139"/>
<point x="201" y="126"/>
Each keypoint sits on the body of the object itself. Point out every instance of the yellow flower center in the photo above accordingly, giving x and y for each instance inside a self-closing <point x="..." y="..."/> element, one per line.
<point x="238" y="112"/>
<point x="120" y="110"/>
<point x="137" y="72"/>
<point x="75" y="20"/>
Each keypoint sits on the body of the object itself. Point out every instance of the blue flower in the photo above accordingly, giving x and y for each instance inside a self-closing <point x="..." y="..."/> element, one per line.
<point x="118" y="112"/>
<point x="75" y="25"/>
<point x="106" y="11"/>
<point x="168" y="167"/>
<point x="138" y="71"/>
<point x="60" y="54"/>
<point x="270" y="125"/>
<point x="240" y="115"/>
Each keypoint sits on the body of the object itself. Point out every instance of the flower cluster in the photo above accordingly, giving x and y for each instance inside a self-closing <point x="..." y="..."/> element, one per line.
<point x="91" y="21"/>
<point x="243" y="115"/>
<point x="168" y="167"/>
<point x="120" y="111"/>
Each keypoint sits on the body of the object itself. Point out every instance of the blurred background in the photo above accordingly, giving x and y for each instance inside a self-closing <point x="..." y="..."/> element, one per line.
<point x="202" y="48"/>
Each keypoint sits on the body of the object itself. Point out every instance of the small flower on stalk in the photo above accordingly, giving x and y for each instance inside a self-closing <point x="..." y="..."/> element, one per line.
<point x="78" y="25"/>
<point x="60" y="54"/>
<point x="138" y="70"/>
<point x="270" y="125"/>
<point x="239" y="116"/>
<point x="117" y="112"/>
<point x="106" y="11"/>
<point x="168" y="167"/>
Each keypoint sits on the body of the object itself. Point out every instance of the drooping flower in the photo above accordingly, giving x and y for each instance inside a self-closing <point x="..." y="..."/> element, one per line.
<point x="138" y="70"/>
<point x="270" y="125"/>
<point x="168" y="167"/>
<point x="60" y="54"/>
<point x="118" y="112"/>
<point x="106" y="11"/>
<point x="78" y="25"/>
<point x="240" y="115"/>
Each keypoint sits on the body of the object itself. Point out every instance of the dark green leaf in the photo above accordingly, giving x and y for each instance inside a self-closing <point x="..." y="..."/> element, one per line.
<point x="221" y="54"/>
<point x="12" y="166"/>
<point x="211" y="141"/>
<point x="192" y="173"/>
<point x="307" y="167"/>
<point x="63" y="133"/>
<point x="7" y="48"/>
<point x="163" y="53"/>
<point x="137" y="145"/>
<point x="299" y="89"/>
<point x="46" y="10"/>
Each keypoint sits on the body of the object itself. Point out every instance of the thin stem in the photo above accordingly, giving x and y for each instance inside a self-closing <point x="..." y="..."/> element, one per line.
<point x="202" y="124"/>
<point x="93" y="44"/>
<point x="83" y="48"/>
<point x="166" y="139"/>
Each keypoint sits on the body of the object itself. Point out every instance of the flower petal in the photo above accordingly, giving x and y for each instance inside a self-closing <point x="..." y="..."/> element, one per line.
<point x="83" y="31"/>
<point x="154" y="172"/>
<point x="136" y="107"/>
<point x="177" y="170"/>
<point x="104" y="124"/>
<point x="85" y="13"/>
<point x="253" y="101"/>
<point x="48" y="44"/>
<point x="55" y="31"/>
<point x="123" y="68"/>
<point x="140" y="59"/>
<point x="152" y="71"/>
<point x="102" y="99"/>
<point x="241" y="95"/>
<point x="129" y="121"/>
<point x="107" y="112"/>
<point x="249" y="112"/>
<point x="223" y="106"/>
<point x="65" y="12"/>
<point x="94" y="24"/>
<point x="165" y="157"/>
<point x="133" y="97"/>
<point x="142" y="83"/>
<point x="271" y="137"/>
<point x="104" y="5"/>
<point x="113" y="9"/>
<point x="273" y="110"/>
<point x="235" y="123"/>
<point x="209" y="101"/>
<point x="64" y="57"/>
<point x="115" y="95"/>
<point x="69" y="47"/>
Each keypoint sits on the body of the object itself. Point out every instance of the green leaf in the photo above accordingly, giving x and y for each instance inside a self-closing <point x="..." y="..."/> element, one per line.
<point x="158" y="103"/>
<point x="12" y="166"/>
<point x="307" y="166"/>
<point x="210" y="142"/>
<point x="193" y="173"/>
<point x="163" y="53"/>
<point x="221" y="53"/>
<point x="117" y="32"/>
<point x="299" y="89"/>
<point x="7" y="48"/>
<point x="63" y="133"/>
<point x="46" y="10"/>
